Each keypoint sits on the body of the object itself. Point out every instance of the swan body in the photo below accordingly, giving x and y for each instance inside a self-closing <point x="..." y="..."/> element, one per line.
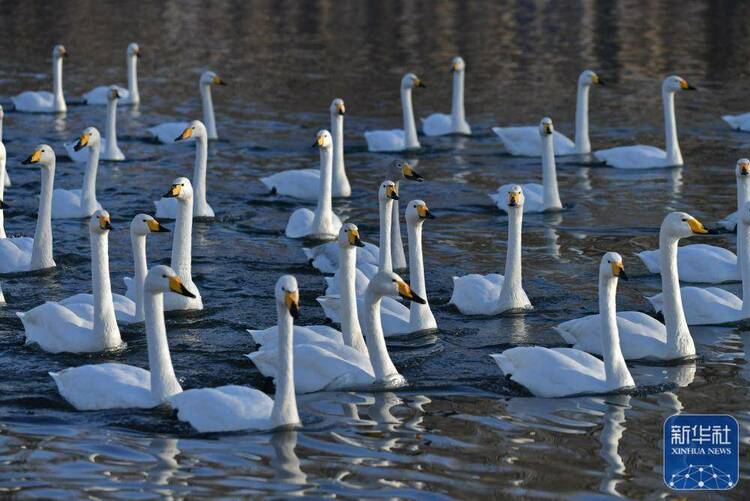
<point x="699" y="263"/>
<point x="440" y="124"/>
<point x="121" y="386"/>
<point x="81" y="203"/>
<point x="561" y="372"/>
<point x="643" y="336"/>
<point x="537" y="197"/>
<point x="398" y="139"/>
<point x="742" y="173"/>
<point x="100" y="95"/>
<point x="166" y="208"/>
<point x="21" y="254"/>
<point x="304" y="183"/>
<point x="646" y="157"/>
<point x="323" y="223"/>
<point x="57" y="328"/>
<point x="738" y="122"/>
<point x="42" y="101"/>
<point x="494" y="294"/>
<point x="167" y="132"/>
<point x="110" y="150"/>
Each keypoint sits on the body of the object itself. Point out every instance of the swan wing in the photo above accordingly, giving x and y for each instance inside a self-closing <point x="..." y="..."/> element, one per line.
<point x="633" y="157"/>
<point x="57" y="328"/>
<point x="301" y="183"/>
<point x="729" y="222"/>
<point x="699" y="263"/>
<point x="476" y="294"/>
<point x="30" y="101"/>
<point x="80" y="156"/>
<point x="526" y="142"/>
<point x="303" y="334"/>
<point x="167" y="132"/>
<point x="386" y="140"/>
<point x="15" y="254"/>
<point x="437" y="124"/>
<point x="299" y="223"/>
<point x="166" y="208"/>
<point x="709" y="306"/>
<point x="226" y="408"/>
<point x="105" y="386"/>
<point x="66" y="204"/>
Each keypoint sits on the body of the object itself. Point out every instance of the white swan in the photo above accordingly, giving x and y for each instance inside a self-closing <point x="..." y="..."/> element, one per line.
<point x="166" y="132"/>
<point x="643" y="337"/>
<point x="699" y="263"/>
<point x="80" y="203"/>
<point x="99" y="95"/>
<point x="537" y="197"/>
<point x="21" y="254"/>
<point x="494" y="294"/>
<point x="304" y="183"/>
<point x="6" y="183"/>
<point x="399" y="169"/>
<point x="524" y="141"/>
<point x="232" y="408"/>
<point x="120" y="386"/>
<point x="182" y="253"/>
<point x="561" y="372"/>
<point x="3" y="174"/>
<point x="440" y="124"/>
<point x="323" y="223"/>
<point x="398" y="139"/>
<point x="166" y="208"/>
<point x="646" y="157"/>
<point x="43" y="101"/>
<point x="110" y="150"/>
<point x="738" y="122"/>
<point x="743" y="192"/>
<point x="59" y="327"/>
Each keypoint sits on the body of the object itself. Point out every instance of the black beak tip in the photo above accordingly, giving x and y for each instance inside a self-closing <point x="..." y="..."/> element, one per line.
<point x="168" y="194"/>
<point x="690" y="87"/>
<point x="430" y="215"/>
<point x="417" y="299"/>
<point x="162" y="229"/>
<point x="294" y="311"/>
<point x="712" y="231"/>
<point x="186" y="292"/>
<point x="3" y="205"/>
<point x="78" y="146"/>
<point x="178" y="138"/>
<point x="623" y="275"/>
<point x="27" y="161"/>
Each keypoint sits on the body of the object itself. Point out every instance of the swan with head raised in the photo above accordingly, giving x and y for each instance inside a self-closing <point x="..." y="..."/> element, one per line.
<point x="440" y="124"/>
<point x="43" y="101"/>
<point x="100" y="95"/>
<point x="81" y="203"/>
<point x="742" y="173"/>
<point x="110" y="150"/>
<point x="398" y="139"/>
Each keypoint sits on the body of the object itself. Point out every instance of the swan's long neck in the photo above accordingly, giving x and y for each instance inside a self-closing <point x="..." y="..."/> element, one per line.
<point x="138" y="244"/>
<point x="182" y="243"/>
<point x="209" y="120"/>
<point x="743" y="190"/>
<point x="57" y="84"/>
<point x="323" y="221"/>
<point x="163" y="379"/>
<point x="679" y="340"/>
<point x="88" y="189"/>
<point x="105" y="323"/>
<point x="512" y="285"/>
<point x="111" y="129"/>
<point x="382" y="365"/>
<point x="350" y="328"/>
<point x="743" y="255"/>
<point x="199" y="175"/>
<point x="550" y="190"/>
<point x="420" y="315"/>
<point x="743" y="194"/>
<point x="398" y="259"/>
<point x="41" y="253"/>
<point x="2" y="186"/>
<point x="617" y="373"/>
<point x="583" y="144"/>
<point x="285" y="404"/>
<point x="458" y="115"/>
<point x="410" y="128"/>
<point x="384" y="251"/>
<point x="674" y="156"/>
<point x="132" y="64"/>
<point x="341" y="186"/>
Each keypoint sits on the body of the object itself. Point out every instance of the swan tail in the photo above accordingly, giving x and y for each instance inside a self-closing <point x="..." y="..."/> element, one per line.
<point x="505" y="363"/>
<point x="567" y="336"/>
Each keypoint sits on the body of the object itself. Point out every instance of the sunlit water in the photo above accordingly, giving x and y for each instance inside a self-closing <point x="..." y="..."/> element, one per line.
<point x="458" y="429"/>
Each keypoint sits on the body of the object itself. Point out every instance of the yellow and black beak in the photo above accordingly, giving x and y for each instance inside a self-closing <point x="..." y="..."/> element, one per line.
<point x="82" y="142"/>
<point x="319" y="141"/>
<point x="155" y="226"/>
<point x="33" y="158"/>
<point x="341" y="109"/>
<point x="424" y="213"/>
<point x="698" y="228"/>
<point x="454" y="68"/>
<point x="597" y="81"/>
<point x="618" y="270"/>
<point x="137" y="53"/>
<point x="514" y="199"/>
<point x="175" y="285"/>
<point x="390" y="192"/>
<point x="3" y="205"/>
<point x="409" y="173"/>
<point x="174" y="191"/>
<point x="354" y="239"/>
<point x="104" y="223"/>
<point x="547" y="129"/>
<point x="405" y="292"/>
<point x="744" y="169"/>
<point x="291" y="300"/>
<point x="186" y="134"/>
<point x="115" y="94"/>
<point x="686" y="86"/>
<point x="419" y="83"/>
<point x="64" y="52"/>
<point x="218" y="81"/>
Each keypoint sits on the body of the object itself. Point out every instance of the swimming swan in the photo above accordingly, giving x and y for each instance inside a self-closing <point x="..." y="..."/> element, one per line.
<point x="743" y="192"/>
<point x="494" y="294"/>
<point x="646" y="157"/>
<point x="110" y="150"/>
<point x="100" y="95"/>
<point x="76" y="204"/>
<point x="561" y="372"/>
<point x="166" y="208"/>
<point x="398" y="139"/>
<point x="543" y="197"/>
<point x="166" y="132"/>
<point x="43" y="101"/>
<point x="440" y="124"/>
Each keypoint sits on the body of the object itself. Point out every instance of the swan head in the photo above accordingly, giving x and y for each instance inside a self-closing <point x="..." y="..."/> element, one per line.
<point x="143" y="224"/>
<point x="337" y="107"/>
<point x="417" y="211"/>
<point x="458" y="64"/>
<point x="113" y="94"/>
<point x="387" y="283"/>
<point x="89" y="138"/>
<point x="323" y="140"/>
<point x="612" y="267"/>
<point x="674" y="83"/>
<point x="287" y="295"/>
<point x="211" y="78"/>
<point x="134" y="50"/>
<point x="515" y="197"/>
<point x="410" y="81"/>
<point x="743" y="167"/>
<point x="181" y="189"/>
<point x="682" y="225"/>
<point x="161" y="278"/>
<point x="43" y="154"/>
<point x="100" y="222"/>
<point x="402" y="169"/>
<point x="349" y="236"/>
<point x="195" y="129"/>
<point x="545" y="127"/>
<point x="588" y="77"/>
<point x="58" y="52"/>
<point x="387" y="191"/>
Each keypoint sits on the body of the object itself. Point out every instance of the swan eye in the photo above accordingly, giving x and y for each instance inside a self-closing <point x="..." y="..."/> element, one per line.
<point x="684" y="220"/>
<point x="164" y="276"/>
<point x="183" y="184"/>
